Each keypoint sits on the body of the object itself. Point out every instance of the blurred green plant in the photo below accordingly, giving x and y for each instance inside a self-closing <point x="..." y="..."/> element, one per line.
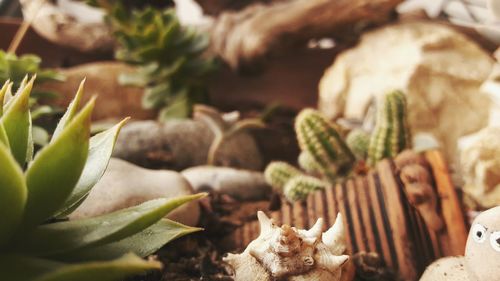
<point x="14" y="69"/>
<point x="172" y="66"/>
<point x="37" y="192"/>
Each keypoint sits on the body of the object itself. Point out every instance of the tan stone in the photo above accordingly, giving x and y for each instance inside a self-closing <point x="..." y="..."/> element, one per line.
<point x="440" y="70"/>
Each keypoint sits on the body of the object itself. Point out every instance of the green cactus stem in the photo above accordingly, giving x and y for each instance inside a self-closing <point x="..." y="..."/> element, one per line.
<point x="321" y="139"/>
<point x="299" y="187"/>
<point x="278" y="173"/>
<point x="307" y="163"/>
<point x="358" y="140"/>
<point x="392" y="133"/>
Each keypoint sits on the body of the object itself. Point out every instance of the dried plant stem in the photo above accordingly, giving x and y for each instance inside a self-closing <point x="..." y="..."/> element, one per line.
<point x="23" y="30"/>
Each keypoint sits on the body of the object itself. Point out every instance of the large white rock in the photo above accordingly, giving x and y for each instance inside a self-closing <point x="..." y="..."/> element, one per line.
<point x="440" y="69"/>
<point x="125" y="185"/>
<point x="480" y="165"/>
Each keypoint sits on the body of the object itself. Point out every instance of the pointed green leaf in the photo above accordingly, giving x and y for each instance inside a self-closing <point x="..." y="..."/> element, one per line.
<point x="2" y="95"/>
<point x="22" y="268"/>
<point x="54" y="172"/>
<point x="115" y="270"/>
<point x="142" y="244"/>
<point x="19" y="268"/>
<point x="16" y="120"/>
<point x="100" y="150"/>
<point x="65" y="237"/>
<point x="13" y="194"/>
<point x="70" y="112"/>
<point x="3" y="137"/>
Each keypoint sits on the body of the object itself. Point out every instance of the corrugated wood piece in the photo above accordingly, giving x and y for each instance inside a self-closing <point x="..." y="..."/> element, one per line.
<point x="379" y="218"/>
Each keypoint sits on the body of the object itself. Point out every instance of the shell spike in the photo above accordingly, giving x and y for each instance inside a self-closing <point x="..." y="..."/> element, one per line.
<point x="265" y="223"/>
<point x="334" y="237"/>
<point x="316" y="230"/>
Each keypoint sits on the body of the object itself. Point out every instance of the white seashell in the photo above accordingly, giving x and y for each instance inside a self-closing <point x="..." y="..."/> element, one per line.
<point x="294" y="254"/>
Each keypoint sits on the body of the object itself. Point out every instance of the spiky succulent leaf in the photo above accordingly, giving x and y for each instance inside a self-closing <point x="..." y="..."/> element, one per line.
<point x="13" y="194"/>
<point x="70" y="112"/>
<point x="278" y="173"/>
<point x="59" y="165"/>
<point x="100" y="150"/>
<point x="62" y="238"/>
<point x="299" y="187"/>
<point x="17" y="123"/>
<point x="321" y="139"/>
<point x="21" y="268"/>
<point x="142" y="244"/>
<point x="170" y="58"/>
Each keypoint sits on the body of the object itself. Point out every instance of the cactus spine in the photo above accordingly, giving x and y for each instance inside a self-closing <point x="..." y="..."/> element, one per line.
<point x="391" y="134"/>
<point x="358" y="141"/>
<point x="278" y="173"/>
<point x="322" y="141"/>
<point x="299" y="187"/>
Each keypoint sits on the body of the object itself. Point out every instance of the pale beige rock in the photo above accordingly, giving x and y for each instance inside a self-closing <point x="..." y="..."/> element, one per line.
<point x="69" y="23"/>
<point x="440" y="69"/>
<point x="482" y="254"/>
<point x="238" y="183"/>
<point x="480" y="166"/>
<point x="115" y="100"/>
<point x="125" y="185"/>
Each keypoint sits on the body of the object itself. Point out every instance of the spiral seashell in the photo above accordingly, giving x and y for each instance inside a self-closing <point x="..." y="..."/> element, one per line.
<point x="287" y="253"/>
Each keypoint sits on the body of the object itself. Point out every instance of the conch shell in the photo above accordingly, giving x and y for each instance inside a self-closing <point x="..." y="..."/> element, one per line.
<point x="287" y="253"/>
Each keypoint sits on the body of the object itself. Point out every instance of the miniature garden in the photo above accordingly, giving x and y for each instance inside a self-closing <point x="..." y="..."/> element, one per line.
<point x="287" y="140"/>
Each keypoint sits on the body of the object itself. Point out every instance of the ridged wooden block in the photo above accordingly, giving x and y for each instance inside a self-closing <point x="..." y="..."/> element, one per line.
<point x="379" y="218"/>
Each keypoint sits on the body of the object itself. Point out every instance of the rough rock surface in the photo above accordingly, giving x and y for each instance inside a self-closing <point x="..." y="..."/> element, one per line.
<point x="440" y="70"/>
<point x="115" y="100"/>
<point x="239" y="184"/>
<point x="480" y="165"/>
<point x="125" y="185"/>
<point x="179" y="144"/>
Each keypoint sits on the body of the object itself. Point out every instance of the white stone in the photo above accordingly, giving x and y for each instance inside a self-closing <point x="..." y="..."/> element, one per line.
<point x="438" y="68"/>
<point x="125" y="185"/>
<point x="480" y="166"/>
<point x="240" y="184"/>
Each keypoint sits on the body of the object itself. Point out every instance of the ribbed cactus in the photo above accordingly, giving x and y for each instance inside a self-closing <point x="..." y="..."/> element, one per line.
<point x="358" y="141"/>
<point x="322" y="141"/>
<point x="278" y="173"/>
<point x="299" y="187"/>
<point x="307" y="163"/>
<point x="392" y="133"/>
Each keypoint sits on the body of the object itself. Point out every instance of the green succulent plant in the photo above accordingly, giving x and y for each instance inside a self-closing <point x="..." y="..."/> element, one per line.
<point x="278" y="173"/>
<point x="170" y="58"/>
<point x="321" y="139"/>
<point x="299" y="187"/>
<point x="14" y="69"/>
<point x="37" y="191"/>
<point x="392" y="132"/>
<point x="358" y="141"/>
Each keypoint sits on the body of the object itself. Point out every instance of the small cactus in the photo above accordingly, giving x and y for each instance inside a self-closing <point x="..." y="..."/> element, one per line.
<point x="391" y="134"/>
<point x="307" y="163"/>
<point x="278" y="173"/>
<point x="321" y="139"/>
<point x="299" y="187"/>
<point x="358" y="141"/>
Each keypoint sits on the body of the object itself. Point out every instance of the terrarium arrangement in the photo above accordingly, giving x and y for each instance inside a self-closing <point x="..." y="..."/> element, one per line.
<point x="251" y="140"/>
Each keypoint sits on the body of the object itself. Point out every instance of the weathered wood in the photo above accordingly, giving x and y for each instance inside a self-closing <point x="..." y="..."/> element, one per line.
<point x="379" y="218"/>
<point x="450" y="206"/>
<point x="243" y="36"/>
